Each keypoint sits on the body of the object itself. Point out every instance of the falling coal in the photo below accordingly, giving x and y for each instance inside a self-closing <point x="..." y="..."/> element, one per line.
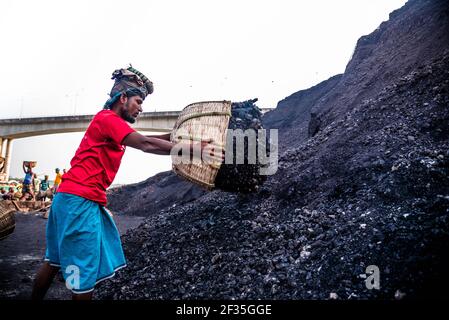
<point x="244" y="175"/>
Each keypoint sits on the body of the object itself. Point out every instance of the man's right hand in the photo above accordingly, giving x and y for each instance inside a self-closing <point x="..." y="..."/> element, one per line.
<point x="210" y="152"/>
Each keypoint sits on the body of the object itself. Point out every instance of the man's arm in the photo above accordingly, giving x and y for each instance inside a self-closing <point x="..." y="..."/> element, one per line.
<point x="160" y="146"/>
<point x="148" y="143"/>
<point x="165" y="136"/>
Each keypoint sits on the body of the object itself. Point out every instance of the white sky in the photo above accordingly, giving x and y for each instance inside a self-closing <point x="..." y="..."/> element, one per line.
<point x="58" y="56"/>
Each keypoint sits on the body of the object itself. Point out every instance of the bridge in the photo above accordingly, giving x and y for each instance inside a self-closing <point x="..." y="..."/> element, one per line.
<point x="11" y="129"/>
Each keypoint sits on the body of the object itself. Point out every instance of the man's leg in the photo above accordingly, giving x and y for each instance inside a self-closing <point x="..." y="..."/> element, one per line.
<point x="82" y="296"/>
<point x="43" y="281"/>
<point x="43" y="200"/>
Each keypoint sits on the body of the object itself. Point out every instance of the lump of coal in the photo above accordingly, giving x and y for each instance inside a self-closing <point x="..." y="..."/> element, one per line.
<point x="237" y="176"/>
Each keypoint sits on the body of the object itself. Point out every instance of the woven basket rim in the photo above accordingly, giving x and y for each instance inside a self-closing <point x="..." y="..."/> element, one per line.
<point x="208" y="101"/>
<point x="7" y="223"/>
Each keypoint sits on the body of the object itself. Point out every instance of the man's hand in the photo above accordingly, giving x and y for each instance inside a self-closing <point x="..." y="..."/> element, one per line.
<point x="211" y="153"/>
<point x="188" y="151"/>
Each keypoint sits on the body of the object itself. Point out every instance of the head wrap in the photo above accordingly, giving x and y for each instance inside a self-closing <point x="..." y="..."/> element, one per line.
<point x="128" y="80"/>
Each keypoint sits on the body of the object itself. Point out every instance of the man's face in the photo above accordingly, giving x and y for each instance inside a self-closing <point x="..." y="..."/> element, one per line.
<point x="132" y="108"/>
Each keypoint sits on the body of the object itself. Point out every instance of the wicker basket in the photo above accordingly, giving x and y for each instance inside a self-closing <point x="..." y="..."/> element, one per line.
<point x="30" y="164"/>
<point x="200" y="121"/>
<point x="7" y="220"/>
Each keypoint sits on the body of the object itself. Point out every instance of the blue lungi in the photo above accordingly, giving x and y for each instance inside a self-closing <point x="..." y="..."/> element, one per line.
<point x="83" y="241"/>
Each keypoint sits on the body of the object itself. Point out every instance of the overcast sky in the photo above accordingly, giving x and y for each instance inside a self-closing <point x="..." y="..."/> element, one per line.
<point x="58" y="56"/>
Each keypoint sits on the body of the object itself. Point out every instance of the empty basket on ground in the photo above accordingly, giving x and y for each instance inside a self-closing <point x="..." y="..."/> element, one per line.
<point x="201" y="120"/>
<point x="7" y="220"/>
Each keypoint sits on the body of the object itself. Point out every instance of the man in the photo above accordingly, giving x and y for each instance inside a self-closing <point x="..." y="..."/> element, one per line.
<point x="82" y="239"/>
<point x="36" y="185"/>
<point x="28" y="184"/>
<point x="44" y="189"/>
<point x="45" y="184"/>
<point x="9" y="195"/>
<point x="57" y="181"/>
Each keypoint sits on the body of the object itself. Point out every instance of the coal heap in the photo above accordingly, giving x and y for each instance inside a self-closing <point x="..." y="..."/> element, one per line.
<point x="165" y="189"/>
<point x="366" y="185"/>
<point x="244" y="177"/>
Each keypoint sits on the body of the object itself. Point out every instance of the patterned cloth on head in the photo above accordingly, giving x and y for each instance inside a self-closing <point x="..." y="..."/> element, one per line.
<point x="129" y="80"/>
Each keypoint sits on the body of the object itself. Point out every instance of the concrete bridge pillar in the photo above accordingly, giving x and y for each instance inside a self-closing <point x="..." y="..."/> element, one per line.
<point x="8" y="158"/>
<point x="2" y="161"/>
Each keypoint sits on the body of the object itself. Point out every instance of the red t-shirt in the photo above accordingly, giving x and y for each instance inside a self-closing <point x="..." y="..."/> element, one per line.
<point x="97" y="159"/>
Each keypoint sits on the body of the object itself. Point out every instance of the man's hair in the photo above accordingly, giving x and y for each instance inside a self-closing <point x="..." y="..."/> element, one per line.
<point x="128" y="93"/>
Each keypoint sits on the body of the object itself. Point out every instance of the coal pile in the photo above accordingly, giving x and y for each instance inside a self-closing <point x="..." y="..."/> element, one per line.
<point x="245" y="177"/>
<point x="381" y="200"/>
<point x="161" y="191"/>
<point x="369" y="188"/>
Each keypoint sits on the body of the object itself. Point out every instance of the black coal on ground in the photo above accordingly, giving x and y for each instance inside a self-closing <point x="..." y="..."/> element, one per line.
<point x="243" y="175"/>
<point x="369" y="187"/>
<point x="332" y="209"/>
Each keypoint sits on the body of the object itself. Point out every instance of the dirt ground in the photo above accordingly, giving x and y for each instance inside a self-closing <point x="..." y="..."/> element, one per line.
<point x="21" y="255"/>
